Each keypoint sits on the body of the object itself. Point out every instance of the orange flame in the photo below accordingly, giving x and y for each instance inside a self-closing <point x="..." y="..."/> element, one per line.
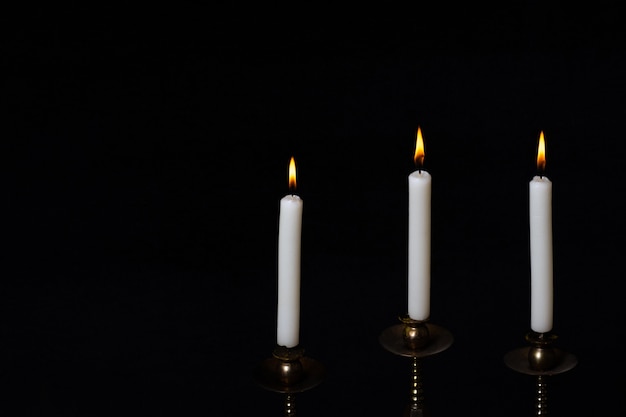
<point x="292" y="174"/>
<point x="541" y="154"/>
<point x="418" y="158"/>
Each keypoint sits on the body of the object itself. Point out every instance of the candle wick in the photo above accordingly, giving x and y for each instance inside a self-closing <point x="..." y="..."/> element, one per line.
<point x="541" y="172"/>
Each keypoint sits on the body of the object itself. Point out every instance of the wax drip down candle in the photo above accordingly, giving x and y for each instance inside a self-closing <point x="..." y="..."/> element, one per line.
<point x="289" y="244"/>
<point x="540" y="224"/>
<point x="419" y="236"/>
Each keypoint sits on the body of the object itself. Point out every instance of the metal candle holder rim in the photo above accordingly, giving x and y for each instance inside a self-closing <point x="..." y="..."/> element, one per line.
<point x="541" y="357"/>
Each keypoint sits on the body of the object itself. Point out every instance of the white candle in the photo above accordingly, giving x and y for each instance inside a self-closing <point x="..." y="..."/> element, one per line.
<point x="541" y="269"/>
<point x="419" y="237"/>
<point x="289" y="242"/>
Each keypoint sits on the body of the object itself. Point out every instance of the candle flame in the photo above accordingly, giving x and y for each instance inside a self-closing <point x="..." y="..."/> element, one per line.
<point x="418" y="158"/>
<point x="292" y="174"/>
<point x="541" y="154"/>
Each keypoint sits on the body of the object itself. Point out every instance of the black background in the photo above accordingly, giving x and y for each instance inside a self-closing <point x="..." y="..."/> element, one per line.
<point x="147" y="149"/>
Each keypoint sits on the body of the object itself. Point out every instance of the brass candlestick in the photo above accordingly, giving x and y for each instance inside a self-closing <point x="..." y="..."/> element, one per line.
<point x="416" y="339"/>
<point x="541" y="359"/>
<point x="289" y="372"/>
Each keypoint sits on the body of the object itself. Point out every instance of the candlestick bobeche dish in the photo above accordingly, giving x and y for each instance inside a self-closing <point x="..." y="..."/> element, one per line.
<point x="288" y="370"/>
<point x="415" y="338"/>
<point x="541" y="356"/>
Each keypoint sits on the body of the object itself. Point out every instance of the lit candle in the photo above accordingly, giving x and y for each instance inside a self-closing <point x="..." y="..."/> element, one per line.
<point x="289" y="242"/>
<point x="419" y="236"/>
<point x="540" y="213"/>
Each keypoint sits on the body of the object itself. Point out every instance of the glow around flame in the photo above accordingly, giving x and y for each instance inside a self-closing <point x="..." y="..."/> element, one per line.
<point x="541" y="154"/>
<point x="292" y="174"/>
<point x="419" y="149"/>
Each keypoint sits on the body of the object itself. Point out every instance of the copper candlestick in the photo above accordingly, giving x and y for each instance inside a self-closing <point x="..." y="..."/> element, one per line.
<point x="288" y="372"/>
<point x="541" y="359"/>
<point x="416" y="339"/>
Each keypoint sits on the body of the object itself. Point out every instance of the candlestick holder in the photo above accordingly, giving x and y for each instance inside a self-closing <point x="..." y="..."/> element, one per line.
<point x="416" y="339"/>
<point x="540" y="359"/>
<point x="289" y="372"/>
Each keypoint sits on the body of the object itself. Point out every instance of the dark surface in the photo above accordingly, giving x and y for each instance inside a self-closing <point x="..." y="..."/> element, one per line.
<point x="147" y="150"/>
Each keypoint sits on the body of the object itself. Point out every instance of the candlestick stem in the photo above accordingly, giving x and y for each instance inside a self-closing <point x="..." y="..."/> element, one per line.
<point x="416" y="404"/>
<point x="290" y="405"/>
<point x="541" y="400"/>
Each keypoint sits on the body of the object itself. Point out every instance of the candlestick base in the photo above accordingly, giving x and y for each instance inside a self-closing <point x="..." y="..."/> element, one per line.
<point x="289" y="372"/>
<point x="540" y="359"/>
<point x="415" y="339"/>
